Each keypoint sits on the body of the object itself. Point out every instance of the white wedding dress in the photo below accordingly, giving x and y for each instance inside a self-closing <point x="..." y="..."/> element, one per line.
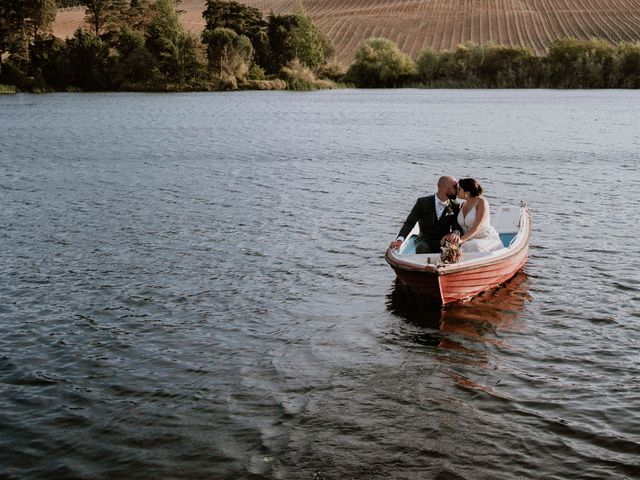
<point x="487" y="238"/>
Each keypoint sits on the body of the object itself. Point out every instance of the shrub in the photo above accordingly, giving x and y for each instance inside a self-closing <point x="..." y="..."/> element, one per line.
<point x="379" y="63"/>
<point x="507" y="67"/>
<point x="299" y="77"/>
<point x="487" y="66"/>
<point x="331" y="71"/>
<point x="427" y="65"/>
<point x="628" y="60"/>
<point x="256" y="73"/>
<point x="229" y="54"/>
<point x="577" y="64"/>
<point x="274" y="84"/>
<point x="296" y="37"/>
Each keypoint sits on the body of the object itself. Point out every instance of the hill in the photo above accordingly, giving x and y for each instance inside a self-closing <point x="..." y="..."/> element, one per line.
<point x="439" y="24"/>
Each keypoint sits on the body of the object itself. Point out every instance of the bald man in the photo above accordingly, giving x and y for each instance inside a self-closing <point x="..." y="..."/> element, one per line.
<point x="437" y="215"/>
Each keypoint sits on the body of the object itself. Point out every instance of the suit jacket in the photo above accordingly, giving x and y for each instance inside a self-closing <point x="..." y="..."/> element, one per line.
<point x="432" y="229"/>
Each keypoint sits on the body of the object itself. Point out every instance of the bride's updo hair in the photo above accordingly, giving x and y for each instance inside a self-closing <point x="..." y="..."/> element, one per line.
<point x="470" y="185"/>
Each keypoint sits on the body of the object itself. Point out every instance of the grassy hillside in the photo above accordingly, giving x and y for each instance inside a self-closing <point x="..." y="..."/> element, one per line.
<point x="439" y="24"/>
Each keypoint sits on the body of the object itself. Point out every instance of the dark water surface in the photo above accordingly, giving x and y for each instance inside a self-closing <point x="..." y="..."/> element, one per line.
<point x="193" y="287"/>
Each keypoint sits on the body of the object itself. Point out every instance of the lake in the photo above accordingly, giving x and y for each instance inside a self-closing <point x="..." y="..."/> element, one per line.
<point x="193" y="286"/>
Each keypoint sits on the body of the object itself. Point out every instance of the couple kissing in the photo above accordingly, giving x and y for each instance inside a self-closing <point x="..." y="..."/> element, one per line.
<point x="458" y="213"/>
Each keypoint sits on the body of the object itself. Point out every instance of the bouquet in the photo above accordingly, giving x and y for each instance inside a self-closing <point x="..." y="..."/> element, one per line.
<point x="451" y="252"/>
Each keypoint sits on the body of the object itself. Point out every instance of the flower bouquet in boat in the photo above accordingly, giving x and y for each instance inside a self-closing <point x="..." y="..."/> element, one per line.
<point x="451" y="252"/>
<point x="452" y="276"/>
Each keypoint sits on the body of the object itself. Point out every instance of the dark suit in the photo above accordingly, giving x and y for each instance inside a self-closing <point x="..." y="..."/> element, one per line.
<point x="432" y="229"/>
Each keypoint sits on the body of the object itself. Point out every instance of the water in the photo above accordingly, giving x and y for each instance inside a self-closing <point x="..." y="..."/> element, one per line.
<point x="193" y="286"/>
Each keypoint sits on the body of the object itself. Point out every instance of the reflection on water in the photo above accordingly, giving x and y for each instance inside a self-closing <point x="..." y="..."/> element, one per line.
<point x="477" y="320"/>
<point x="463" y="330"/>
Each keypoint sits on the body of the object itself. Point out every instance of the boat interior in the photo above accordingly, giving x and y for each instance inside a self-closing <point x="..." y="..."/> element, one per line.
<point x="505" y="219"/>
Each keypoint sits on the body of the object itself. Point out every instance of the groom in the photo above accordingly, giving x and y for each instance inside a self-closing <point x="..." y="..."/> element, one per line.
<point x="437" y="215"/>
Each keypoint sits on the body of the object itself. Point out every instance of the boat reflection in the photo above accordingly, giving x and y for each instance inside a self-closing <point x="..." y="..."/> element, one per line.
<point x="460" y="327"/>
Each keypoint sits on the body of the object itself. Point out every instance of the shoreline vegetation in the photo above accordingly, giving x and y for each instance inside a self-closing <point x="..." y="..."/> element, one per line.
<point x="139" y="45"/>
<point x="7" y="89"/>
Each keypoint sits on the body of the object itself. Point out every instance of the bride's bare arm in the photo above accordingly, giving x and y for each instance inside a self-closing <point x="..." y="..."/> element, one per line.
<point x="482" y="216"/>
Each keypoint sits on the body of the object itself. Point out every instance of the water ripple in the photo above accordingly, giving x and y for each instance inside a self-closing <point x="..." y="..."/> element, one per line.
<point x="193" y="286"/>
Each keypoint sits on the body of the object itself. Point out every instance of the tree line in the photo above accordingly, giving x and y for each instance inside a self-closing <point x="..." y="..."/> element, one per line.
<point x="570" y="63"/>
<point x="141" y="45"/>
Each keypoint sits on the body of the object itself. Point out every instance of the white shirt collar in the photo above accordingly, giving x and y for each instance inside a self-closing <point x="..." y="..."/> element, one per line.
<point x="444" y="204"/>
<point x="440" y="206"/>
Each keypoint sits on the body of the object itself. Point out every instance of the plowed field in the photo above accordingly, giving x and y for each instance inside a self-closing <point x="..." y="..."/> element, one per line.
<point x="439" y="24"/>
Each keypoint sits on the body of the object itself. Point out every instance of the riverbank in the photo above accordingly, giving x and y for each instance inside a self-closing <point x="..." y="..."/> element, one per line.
<point x="379" y="63"/>
<point x="7" y="89"/>
<point x="150" y="50"/>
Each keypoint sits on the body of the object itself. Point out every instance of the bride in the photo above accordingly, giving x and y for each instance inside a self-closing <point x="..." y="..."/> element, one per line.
<point x="477" y="233"/>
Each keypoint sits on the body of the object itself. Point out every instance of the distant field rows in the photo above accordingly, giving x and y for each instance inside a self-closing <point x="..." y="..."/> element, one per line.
<point x="439" y="24"/>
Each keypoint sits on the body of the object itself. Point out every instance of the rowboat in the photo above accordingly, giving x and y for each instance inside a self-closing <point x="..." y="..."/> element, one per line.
<point x="444" y="283"/>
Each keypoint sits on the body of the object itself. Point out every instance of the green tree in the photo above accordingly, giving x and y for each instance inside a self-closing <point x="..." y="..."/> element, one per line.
<point x="574" y="63"/>
<point x="105" y="15"/>
<point x="21" y="21"/>
<point x="88" y="60"/>
<point x="243" y="20"/>
<point x="50" y="62"/>
<point x="427" y="65"/>
<point x="139" y="14"/>
<point x="229" y="54"/>
<point x="459" y="63"/>
<point x="600" y="64"/>
<point x="296" y="37"/>
<point x="507" y="67"/>
<point x="379" y="63"/>
<point x="450" y="67"/>
<point x="11" y="18"/>
<point x="628" y="60"/>
<point x="487" y="66"/>
<point x="175" y="50"/>
<point x="43" y="16"/>
<point x="132" y="65"/>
